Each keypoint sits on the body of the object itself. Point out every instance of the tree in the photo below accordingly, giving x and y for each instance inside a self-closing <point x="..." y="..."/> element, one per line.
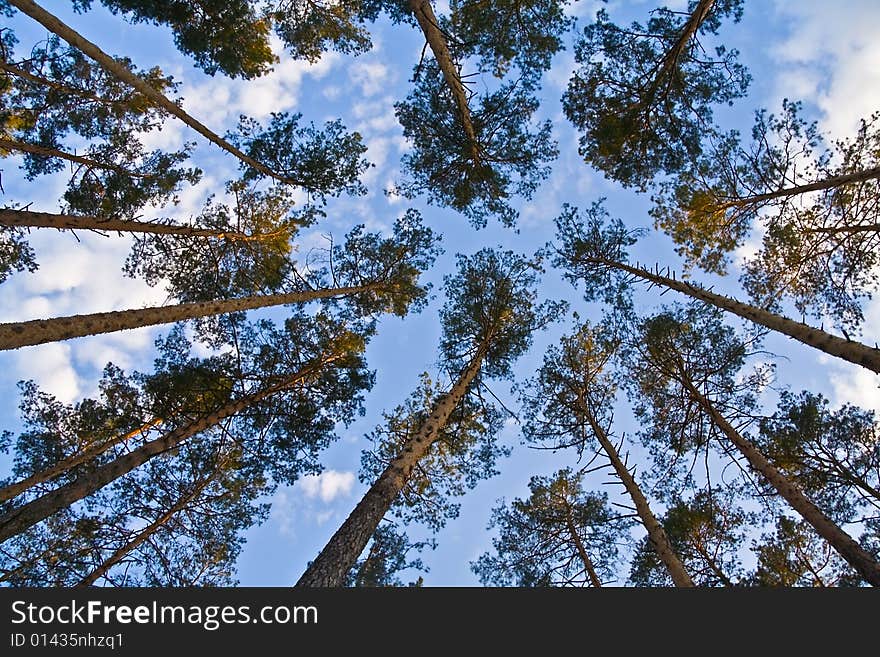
<point x="816" y="203"/>
<point x="594" y="250"/>
<point x="685" y="364"/>
<point x="287" y="382"/>
<point x="570" y="404"/>
<point x="487" y="321"/>
<point x="561" y="535"/>
<point x="386" y="556"/>
<point x="706" y="531"/>
<point x="512" y="159"/>
<point x="643" y="96"/>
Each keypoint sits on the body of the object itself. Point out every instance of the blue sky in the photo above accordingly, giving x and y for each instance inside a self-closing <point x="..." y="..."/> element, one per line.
<point x="809" y="50"/>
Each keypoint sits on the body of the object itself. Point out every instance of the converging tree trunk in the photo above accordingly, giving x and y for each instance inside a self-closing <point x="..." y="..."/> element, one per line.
<point x="27" y="515"/>
<point x="344" y="547"/>
<point x="43" y="151"/>
<point x="39" y="331"/>
<point x="147" y="532"/>
<point x="589" y="568"/>
<point x="817" y="186"/>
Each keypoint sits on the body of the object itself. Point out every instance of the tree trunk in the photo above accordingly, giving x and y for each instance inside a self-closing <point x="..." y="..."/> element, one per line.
<point x="582" y="551"/>
<point x="848" y="548"/>
<point x="13" y="490"/>
<point x="344" y="547"/>
<point x="40" y="331"/>
<point x="656" y="534"/>
<point x="424" y="14"/>
<point x="670" y="61"/>
<point x="28" y="219"/>
<point x="27" y="515"/>
<point x="145" y="533"/>
<point x="833" y="230"/>
<point x="713" y="565"/>
<point x="819" y="185"/>
<point x="854" y="352"/>
<point x="34" y="149"/>
<point x="54" y="25"/>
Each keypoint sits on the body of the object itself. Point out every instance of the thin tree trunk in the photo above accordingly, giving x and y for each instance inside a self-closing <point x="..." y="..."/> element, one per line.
<point x="850" y="350"/>
<point x="28" y="219"/>
<point x="145" y="533"/>
<point x="344" y="547"/>
<point x="424" y="14"/>
<point x="819" y="185"/>
<point x="13" y="490"/>
<point x="656" y="533"/>
<point x="582" y="551"/>
<point x="27" y="515"/>
<point x="34" y="149"/>
<point x="40" y="331"/>
<point x="56" y="26"/>
<point x="848" y="548"/>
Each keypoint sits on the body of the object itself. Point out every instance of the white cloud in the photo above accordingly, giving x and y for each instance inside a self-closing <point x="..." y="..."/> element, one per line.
<point x="328" y="485"/>
<point x="827" y="41"/>
<point x="50" y="366"/>
<point x="372" y="77"/>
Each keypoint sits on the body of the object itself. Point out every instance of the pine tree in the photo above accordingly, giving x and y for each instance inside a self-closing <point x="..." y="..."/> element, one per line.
<point x="643" y="96"/>
<point x="561" y="535"/>
<point x="487" y="323"/>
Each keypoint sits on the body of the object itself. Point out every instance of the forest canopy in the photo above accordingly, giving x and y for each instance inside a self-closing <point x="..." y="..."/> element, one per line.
<point x="535" y="293"/>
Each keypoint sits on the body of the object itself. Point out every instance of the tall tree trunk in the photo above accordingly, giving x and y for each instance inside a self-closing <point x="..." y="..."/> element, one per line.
<point x="850" y="350"/>
<point x="47" y="474"/>
<point x="27" y="515"/>
<point x="656" y="534"/>
<point x="582" y="551"/>
<point x="34" y="149"/>
<point x="833" y="230"/>
<point x="28" y="219"/>
<point x="424" y="14"/>
<point x="817" y="186"/>
<point x="344" y="547"/>
<point x="848" y="548"/>
<point x="56" y="26"/>
<point x="39" y="331"/>
<point x="146" y="532"/>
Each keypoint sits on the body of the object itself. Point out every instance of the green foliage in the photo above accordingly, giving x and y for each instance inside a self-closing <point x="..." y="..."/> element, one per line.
<point x="540" y="539"/>
<point x="310" y="27"/>
<point x="220" y="35"/>
<point x="644" y="107"/>
<point x="15" y="253"/>
<point x="832" y="456"/>
<point x="511" y="159"/>
<point x="396" y="262"/>
<point x="324" y="162"/>
<point x="794" y="555"/>
<point x="385" y="557"/>
<point x="526" y="33"/>
<point x="706" y="532"/>
<point x="492" y="305"/>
